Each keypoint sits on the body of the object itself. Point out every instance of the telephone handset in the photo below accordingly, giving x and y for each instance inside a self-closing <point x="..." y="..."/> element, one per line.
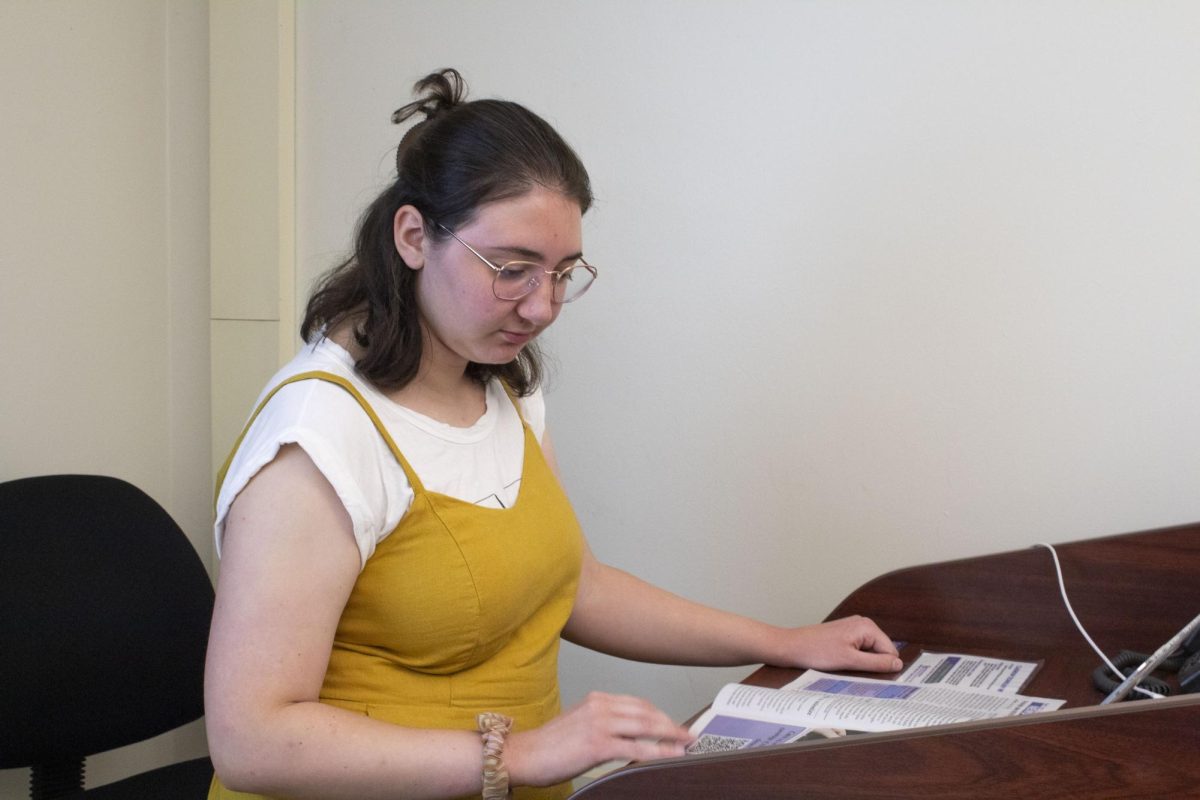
<point x="1189" y="670"/>
<point x="1185" y="662"/>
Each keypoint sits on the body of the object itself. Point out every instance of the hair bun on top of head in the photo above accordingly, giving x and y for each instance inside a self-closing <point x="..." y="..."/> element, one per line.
<point x="437" y="93"/>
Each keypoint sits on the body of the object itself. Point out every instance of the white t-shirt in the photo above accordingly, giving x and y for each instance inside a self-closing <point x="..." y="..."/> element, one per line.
<point x="481" y="464"/>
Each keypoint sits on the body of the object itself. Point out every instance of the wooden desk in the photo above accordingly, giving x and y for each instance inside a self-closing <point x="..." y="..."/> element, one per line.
<point x="1132" y="591"/>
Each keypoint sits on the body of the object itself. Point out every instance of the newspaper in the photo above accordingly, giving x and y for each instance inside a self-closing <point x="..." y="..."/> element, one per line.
<point x="819" y="705"/>
<point x="975" y="672"/>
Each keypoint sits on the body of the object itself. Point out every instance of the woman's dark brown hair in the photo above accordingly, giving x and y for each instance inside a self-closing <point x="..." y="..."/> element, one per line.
<point x="459" y="157"/>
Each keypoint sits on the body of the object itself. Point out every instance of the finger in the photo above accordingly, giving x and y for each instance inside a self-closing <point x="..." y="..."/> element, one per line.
<point x="872" y="637"/>
<point x="874" y="662"/>
<point x="881" y="644"/>
<point x="645" y="749"/>
<point x="644" y="721"/>
<point x="642" y="730"/>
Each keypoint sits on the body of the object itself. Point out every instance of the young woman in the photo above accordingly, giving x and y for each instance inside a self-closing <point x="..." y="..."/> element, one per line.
<point x="398" y="560"/>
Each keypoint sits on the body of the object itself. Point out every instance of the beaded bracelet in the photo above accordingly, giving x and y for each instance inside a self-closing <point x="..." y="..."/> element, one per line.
<point x="494" y="728"/>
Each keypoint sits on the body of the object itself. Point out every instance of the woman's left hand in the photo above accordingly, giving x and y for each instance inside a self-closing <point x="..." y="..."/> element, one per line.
<point x="853" y="643"/>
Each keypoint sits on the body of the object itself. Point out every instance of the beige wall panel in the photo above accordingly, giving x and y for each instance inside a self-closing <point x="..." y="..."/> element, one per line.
<point x="83" y="231"/>
<point x="187" y="271"/>
<point x="881" y="283"/>
<point x="244" y="356"/>
<point x="104" y="266"/>
<point x="245" y="180"/>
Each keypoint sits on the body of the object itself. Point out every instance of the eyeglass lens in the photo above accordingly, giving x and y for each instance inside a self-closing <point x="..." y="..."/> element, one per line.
<point x="516" y="279"/>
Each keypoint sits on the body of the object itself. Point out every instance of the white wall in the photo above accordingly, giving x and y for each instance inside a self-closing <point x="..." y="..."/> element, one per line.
<point x="881" y="283"/>
<point x="104" y="266"/>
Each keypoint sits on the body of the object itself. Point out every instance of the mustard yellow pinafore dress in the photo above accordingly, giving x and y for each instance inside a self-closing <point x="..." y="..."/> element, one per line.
<point x="459" y="610"/>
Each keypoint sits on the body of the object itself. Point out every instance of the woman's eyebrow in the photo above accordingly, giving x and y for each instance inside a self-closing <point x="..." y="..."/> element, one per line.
<point x="525" y="254"/>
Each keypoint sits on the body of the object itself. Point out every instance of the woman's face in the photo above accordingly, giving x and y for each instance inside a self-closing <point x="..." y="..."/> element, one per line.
<point x="464" y="320"/>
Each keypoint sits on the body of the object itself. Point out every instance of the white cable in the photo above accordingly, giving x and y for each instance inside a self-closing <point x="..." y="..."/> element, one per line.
<point x="1062" y="588"/>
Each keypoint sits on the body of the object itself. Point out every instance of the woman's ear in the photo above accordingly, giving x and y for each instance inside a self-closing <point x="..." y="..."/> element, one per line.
<point x="408" y="232"/>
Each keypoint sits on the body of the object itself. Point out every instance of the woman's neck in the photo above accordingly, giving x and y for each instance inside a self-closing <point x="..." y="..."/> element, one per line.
<point x="441" y="389"/>
<point x="459" y="402"/>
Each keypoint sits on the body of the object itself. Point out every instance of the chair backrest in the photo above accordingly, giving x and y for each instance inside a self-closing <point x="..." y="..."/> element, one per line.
<point x="104" y="617"/>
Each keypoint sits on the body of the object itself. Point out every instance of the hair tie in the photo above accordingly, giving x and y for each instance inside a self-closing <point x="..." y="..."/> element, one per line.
<point x="494" y="727"/>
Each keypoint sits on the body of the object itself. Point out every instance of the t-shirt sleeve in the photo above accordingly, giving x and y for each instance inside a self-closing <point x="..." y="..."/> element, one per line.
<point x="330" y="426"/>
<point x="533" y="407"/>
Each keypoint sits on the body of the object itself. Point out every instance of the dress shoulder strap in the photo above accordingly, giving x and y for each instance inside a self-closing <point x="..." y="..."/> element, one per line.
<point x="516" y="405"/>
<point x="337" y="380"/>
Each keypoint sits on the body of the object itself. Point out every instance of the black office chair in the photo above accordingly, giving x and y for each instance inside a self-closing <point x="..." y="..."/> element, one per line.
<point x="104" y="616"/>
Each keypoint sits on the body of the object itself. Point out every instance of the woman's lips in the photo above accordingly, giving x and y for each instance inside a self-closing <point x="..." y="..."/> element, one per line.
<point x="515" y="337"/>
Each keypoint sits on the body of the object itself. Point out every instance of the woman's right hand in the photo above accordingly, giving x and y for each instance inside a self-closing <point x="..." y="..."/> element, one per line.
<point x="604" y="727"/>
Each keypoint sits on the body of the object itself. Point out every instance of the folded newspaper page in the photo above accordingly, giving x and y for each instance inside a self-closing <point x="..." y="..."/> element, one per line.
<point x="969" y="671"/>
<point x="818" y="705"/>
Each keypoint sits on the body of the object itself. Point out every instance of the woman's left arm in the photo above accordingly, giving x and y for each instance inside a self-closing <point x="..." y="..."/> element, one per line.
<point x="625" y="616"/>
<point x="622" y="615"/>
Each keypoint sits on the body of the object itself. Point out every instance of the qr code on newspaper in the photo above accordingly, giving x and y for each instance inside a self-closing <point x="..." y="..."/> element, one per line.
<point x="712" y="743"/>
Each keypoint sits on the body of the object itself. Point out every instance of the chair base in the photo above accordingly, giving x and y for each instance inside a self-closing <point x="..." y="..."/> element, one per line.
<point x="187" y="780"/>
<point x="62" y="779"/>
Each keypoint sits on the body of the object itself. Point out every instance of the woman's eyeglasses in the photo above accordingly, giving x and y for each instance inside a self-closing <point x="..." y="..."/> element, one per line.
<point x="513" y="280"/>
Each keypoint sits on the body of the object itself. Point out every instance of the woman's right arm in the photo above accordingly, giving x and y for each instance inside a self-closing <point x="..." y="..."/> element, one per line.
<point x="289" y="562"/>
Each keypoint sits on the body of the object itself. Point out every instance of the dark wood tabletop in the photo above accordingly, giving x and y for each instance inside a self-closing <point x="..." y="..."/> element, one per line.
<point x="1130" y="591"/>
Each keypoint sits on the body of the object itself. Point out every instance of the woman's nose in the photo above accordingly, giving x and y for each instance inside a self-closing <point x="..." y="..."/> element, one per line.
<point x="538" y="306"/>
